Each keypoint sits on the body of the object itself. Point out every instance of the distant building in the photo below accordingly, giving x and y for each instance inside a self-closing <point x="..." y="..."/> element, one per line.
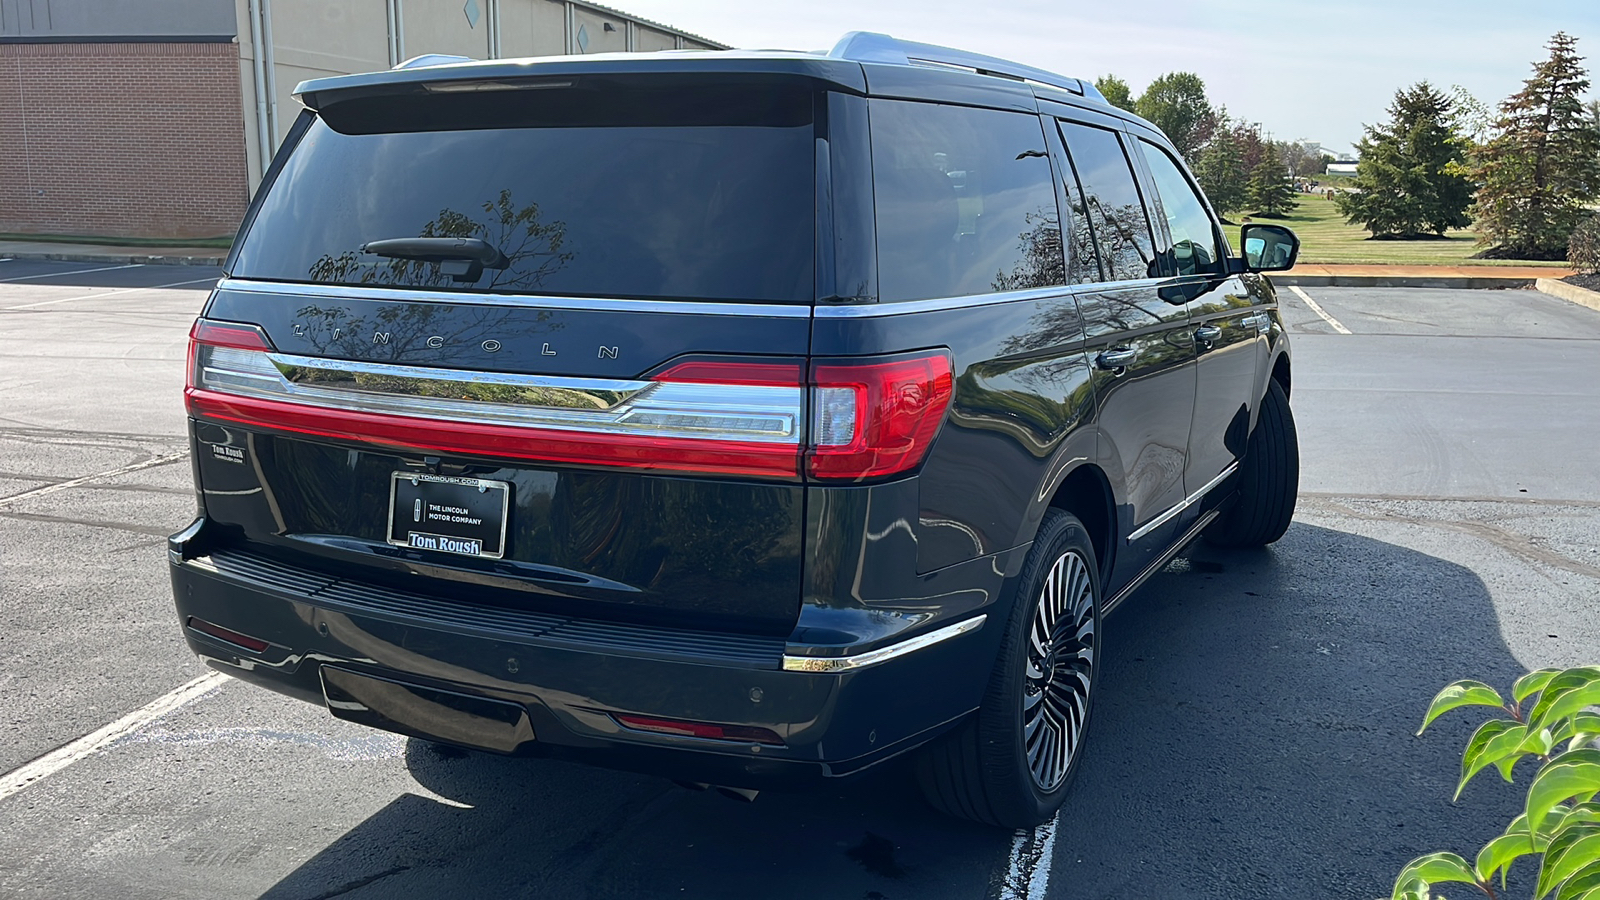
<point x="147" y="118"/>
<point x="1342" y="167"/>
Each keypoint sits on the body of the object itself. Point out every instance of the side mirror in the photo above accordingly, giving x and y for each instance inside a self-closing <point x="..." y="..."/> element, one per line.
<point x="1268" y="248"/>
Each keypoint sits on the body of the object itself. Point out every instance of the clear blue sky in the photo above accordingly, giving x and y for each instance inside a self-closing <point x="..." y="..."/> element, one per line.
<point x="1316" y="71"/>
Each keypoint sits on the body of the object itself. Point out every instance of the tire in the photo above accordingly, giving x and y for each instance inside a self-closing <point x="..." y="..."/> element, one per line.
<point x="1268" y="481"/>
<point x="1001" y="767"/>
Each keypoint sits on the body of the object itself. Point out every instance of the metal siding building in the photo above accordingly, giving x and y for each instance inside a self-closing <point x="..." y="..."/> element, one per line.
<point x="146" y="118"/>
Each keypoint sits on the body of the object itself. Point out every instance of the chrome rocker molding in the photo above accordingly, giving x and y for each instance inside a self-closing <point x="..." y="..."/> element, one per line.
<point x="1188" y="501"/>
<point x="833" y="664"/>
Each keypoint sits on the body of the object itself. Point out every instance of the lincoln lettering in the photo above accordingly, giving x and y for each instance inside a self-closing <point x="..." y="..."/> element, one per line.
<point x="460" y="514"/>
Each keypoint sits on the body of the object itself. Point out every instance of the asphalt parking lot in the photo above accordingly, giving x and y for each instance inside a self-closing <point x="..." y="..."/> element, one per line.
<point x="1253" y="734"/>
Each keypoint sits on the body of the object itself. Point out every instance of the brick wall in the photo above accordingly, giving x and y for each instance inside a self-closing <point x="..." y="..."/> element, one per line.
<point x="124" y="140"/>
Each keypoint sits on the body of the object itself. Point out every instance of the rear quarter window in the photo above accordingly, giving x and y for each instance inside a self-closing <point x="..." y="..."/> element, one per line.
<point x="965" y="202"/>
<point x="685" y="193"/>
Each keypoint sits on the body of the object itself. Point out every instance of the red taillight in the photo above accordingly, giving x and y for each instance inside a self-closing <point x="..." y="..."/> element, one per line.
<point x="743" y="417"/>
<point x="707" y="730"/>
<point x="875" y="419"/>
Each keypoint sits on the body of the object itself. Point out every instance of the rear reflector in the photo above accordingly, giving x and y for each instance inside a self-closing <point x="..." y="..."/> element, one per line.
<point x="746" y="417"/>
<point x="255" y="645"/>
<point x="709" y="731"/>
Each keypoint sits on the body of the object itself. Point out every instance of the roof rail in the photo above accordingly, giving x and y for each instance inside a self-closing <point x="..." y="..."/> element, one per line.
<point x="867" y="46"/>
<point x="432" y="59"/>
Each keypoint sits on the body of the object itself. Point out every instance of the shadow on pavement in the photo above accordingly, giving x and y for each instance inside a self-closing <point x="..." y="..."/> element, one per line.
<point x="30" y="273"/>
<point x="1252" y="739"/>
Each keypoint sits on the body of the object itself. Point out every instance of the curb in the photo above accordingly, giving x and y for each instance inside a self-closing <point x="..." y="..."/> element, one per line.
<point x="1569" y="292"/>
<point x="1466" y="282"/>
<point x="122" y="258"/>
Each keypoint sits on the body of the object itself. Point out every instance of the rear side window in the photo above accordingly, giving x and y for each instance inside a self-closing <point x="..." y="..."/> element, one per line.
<point x="965" y="202"/>
<point x="693" y="191"/>
<point x="1194" y="239"/>
<point x="1116" y="210"/>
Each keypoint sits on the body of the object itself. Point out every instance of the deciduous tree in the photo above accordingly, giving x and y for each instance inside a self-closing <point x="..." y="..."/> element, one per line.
<point x="1176" y="103"/>
<point x="1542" y="167"/>
<point x="1411" y="180"/>
<point x="1116" y="92"/>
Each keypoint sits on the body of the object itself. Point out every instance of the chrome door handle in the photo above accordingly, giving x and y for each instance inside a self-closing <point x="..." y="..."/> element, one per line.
<point x="1116" y="359"/>
<point x="1205" y="334"/>
<point x="1259" y="321"/>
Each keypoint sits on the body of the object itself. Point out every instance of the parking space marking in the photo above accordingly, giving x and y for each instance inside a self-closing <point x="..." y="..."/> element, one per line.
<point x="153" y="287"/>
<point x="73" y="272"/>
<point x="61" y="757"/>
<point x="74" y="482"/>
<point x="1033" y="851"/>
<point x="1317" y="308"/>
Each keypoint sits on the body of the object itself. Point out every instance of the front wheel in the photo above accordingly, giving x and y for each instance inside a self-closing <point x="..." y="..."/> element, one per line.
<point x="1269" y="479"/>
<point x="1011" y="765"/>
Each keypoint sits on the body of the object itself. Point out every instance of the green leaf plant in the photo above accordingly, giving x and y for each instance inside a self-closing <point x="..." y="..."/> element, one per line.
<point x="1560" y="825"/>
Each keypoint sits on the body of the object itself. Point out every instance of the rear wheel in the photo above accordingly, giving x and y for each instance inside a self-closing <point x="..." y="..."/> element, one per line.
<point x="1269" y="479"/>
<point x="1012" y="764"/>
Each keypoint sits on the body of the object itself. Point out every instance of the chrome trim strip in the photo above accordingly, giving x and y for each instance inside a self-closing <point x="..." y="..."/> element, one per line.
<point x="1160" y="562"/>
<point x="578" y="304"/>
<point x="833" y="664"/>
<point x="757" y="413"/>
<point x="1188" y="501"/>
<point x="902" y="307"/>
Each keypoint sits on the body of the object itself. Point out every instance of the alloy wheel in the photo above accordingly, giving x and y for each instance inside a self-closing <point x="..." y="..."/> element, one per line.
<point x="1061" y="657"/>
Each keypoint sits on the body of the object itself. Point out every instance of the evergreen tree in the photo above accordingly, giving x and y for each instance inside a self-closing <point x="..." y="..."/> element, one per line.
<point x="1116" y="91"/>
<point x="1270" y="192"/>
<point x="1411" y="179"/>
<point x="1176" y="103"/>
<point x="1221" y="171"/>
<point x="1543" y="165"/>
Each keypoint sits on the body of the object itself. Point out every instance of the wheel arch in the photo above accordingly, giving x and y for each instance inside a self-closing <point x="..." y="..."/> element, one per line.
<point x="1086" y="493"/>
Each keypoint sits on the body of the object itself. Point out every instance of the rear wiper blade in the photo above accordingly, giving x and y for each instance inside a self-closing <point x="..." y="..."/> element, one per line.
<point x="462" y="258"/>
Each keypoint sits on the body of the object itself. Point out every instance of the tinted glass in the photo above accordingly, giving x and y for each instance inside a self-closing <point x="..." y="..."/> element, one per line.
<point x="1194" y="240"/>
<point x="687" y="193"/>
<point x="965" y="203"/>
<point x="1083" y="263"/>
<point x="1112" y="195"/>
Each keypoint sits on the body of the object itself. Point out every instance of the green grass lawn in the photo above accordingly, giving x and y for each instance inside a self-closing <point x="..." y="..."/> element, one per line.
<point x="1325" y="238"/>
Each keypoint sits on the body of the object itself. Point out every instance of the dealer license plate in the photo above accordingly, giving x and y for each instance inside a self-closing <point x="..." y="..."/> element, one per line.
<point x="463" y="516"/>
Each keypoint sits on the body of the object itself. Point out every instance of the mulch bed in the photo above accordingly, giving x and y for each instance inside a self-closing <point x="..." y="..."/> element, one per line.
<point x="1592" y="282"/>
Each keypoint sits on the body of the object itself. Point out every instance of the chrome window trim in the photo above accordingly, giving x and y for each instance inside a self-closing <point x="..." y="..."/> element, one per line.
<point x="1188" y="501"/>
<point x="903" y="307"/>
<point x="833" y="664"/>
<point x="367" y="292"/>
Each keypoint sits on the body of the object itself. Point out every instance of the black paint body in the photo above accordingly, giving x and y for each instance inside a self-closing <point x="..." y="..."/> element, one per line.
<point x="677" y="596"/>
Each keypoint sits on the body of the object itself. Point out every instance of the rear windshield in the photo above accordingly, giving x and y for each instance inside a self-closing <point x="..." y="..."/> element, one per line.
<point x="678" y="192"/>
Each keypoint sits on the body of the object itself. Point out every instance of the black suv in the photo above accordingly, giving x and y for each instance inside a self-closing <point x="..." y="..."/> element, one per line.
<point x="738" y="417"/>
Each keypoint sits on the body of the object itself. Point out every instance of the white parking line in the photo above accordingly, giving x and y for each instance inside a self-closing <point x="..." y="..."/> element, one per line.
<point x="58" y="759"/>
<point x="1317" y="308"/>
<point x="73" y="272"/>
<point x="153" y="287"/>
<point x="1028" y="871"/>
<point x="120" y="470"/>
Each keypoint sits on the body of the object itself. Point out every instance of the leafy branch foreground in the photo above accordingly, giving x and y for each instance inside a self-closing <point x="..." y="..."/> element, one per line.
<point x="1561" y="822"/>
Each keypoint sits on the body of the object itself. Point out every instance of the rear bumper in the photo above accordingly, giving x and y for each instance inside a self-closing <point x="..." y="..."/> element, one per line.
<point x="572" y="677"/>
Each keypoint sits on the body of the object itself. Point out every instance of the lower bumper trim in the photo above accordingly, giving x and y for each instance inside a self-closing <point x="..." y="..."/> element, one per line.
<point x="830" y="664"/>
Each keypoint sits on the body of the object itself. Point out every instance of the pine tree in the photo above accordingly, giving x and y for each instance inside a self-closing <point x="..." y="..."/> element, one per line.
<point x="1222" y="173"/>
<point x="1270" y="192"/>
<point x="1411" y="180"/>
<point x="1543" y="165"/>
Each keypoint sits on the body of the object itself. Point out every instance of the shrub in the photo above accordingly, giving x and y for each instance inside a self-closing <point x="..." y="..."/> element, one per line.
<point x="1583" y="248"/>
<point x="1561" y="821"/>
